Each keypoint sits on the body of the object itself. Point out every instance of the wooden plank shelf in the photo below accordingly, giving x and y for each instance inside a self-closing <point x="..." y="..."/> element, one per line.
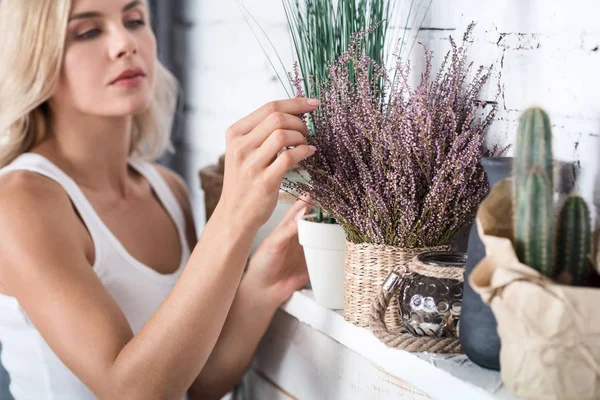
<point x="310" y="352"/>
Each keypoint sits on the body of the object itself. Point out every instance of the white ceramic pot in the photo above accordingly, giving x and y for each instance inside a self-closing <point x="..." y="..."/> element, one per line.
<point x="325" y="251"/>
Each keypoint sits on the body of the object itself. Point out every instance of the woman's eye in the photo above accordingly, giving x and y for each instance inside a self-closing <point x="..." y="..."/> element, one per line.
<point x="135" y="23"/>
<point x="92" y="33"/>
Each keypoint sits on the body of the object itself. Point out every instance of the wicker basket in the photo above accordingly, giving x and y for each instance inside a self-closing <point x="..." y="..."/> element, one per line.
<point x="211" y="181"/>
<point x="367" y="267"/>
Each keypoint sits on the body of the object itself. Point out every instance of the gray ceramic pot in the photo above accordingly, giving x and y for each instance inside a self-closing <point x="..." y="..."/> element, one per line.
<point x="478" y="334"/>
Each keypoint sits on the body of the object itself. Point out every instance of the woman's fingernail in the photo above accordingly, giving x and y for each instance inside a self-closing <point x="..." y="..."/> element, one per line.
<point x="313" y="148"/>
<point x="314" y="102"/>
<point x="300" y="213"/>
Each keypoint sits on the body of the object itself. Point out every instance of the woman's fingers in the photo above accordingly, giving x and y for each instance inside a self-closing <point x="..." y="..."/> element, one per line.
<point x="295" y="106"/>
<point x="275" y="122"/>
<point x="287" y="160"/>
<point x="288" y="227"/>
<point x="278" y="140"/>
<point x="299" y="208"/>
<point x="253" y="174"/>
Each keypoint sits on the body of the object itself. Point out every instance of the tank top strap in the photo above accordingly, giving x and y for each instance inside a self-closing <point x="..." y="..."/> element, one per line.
<point x="39" y="164"/>
<point x="164" y="194"/>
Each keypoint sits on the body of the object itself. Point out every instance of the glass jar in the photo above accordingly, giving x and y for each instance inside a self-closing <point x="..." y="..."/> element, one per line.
<point x="431" y="306"/>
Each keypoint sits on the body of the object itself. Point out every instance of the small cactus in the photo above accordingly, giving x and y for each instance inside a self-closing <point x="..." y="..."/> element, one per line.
<point x="534" y="146"/>
<point x="574" y="240"/>
<point x="536" y="244"/>
<point x="534" y="234"/>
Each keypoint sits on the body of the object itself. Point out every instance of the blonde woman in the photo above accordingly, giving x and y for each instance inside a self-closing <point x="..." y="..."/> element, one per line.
<point x="104" y="290"/>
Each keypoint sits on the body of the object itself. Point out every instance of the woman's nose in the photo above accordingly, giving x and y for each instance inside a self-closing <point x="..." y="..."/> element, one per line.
<point x="122" y="43"/>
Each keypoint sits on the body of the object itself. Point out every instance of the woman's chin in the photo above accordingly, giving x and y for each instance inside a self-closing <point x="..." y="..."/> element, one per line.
<point x="131" y="106"/>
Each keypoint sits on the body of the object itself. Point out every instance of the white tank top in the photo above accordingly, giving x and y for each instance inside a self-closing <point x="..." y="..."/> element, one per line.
<point x="36" y="373"/>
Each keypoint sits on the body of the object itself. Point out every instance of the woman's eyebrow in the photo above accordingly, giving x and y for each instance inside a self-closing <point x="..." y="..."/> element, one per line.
<point x="96" y="14"/>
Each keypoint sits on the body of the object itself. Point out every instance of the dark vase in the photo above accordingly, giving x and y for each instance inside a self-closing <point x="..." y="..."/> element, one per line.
<point x="478" y="334"/>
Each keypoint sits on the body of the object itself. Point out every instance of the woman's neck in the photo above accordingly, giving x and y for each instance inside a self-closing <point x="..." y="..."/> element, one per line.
<point x="92" y="150"/>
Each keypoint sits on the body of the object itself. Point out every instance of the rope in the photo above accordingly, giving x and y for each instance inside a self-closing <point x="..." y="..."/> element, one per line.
<point x="456" y="273"/>
<point x="402" y="339"/>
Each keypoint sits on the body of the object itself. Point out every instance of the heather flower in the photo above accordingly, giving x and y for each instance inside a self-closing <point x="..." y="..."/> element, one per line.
<point x="398" y="166"/>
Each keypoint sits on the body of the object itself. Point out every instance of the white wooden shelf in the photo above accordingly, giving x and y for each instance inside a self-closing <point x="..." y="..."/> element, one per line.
<point x="414" y="376"/>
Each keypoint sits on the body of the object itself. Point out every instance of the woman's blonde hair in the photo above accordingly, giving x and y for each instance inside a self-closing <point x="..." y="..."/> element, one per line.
<point x="32" y="39"/>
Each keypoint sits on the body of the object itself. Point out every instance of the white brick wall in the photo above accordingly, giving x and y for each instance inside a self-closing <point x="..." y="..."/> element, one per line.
<point x="546" y="50"/>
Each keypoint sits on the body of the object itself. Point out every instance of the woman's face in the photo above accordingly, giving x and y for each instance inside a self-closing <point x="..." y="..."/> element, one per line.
<point x="110" y="54"/>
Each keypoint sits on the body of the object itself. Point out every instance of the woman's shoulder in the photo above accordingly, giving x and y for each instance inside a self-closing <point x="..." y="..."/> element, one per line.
<point x="30" y="191"/>
<point x="36" y="218"/>
<point x="31" y="201"/>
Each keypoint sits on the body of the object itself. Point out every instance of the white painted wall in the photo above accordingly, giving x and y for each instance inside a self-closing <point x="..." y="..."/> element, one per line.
<point x="547" y="52"/>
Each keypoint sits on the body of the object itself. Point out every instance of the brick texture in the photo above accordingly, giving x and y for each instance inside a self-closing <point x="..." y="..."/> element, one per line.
<point x="545" y="53"/>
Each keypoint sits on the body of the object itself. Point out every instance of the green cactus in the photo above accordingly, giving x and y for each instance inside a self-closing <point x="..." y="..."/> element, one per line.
<point x="574" y="242"/>
<point x="535" y="242"/>
<point x="534" y="234"/>
<point x="534" y="146"/>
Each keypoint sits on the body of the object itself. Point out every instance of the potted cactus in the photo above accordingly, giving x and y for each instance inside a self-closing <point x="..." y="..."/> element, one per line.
<point x="537" y="276"/>
<point x="564" y="253"/>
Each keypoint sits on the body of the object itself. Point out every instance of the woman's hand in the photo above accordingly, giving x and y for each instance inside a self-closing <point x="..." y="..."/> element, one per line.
<point x="278" y="267"/>
<point x="253" y="171"/>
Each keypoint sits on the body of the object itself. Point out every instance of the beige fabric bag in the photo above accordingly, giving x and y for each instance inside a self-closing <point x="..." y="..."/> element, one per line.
<point x="550" y="333"/>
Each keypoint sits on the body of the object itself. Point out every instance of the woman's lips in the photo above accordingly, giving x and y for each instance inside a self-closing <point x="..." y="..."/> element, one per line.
<point x="130" y="82"/>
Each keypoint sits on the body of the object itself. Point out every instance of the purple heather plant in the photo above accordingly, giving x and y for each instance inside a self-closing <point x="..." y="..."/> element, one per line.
<point x="398" y="166"/>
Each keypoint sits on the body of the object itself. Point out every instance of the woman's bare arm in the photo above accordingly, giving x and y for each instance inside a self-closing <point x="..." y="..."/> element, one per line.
<point x="276" y="270"/>
<point x="43" y="264"/>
